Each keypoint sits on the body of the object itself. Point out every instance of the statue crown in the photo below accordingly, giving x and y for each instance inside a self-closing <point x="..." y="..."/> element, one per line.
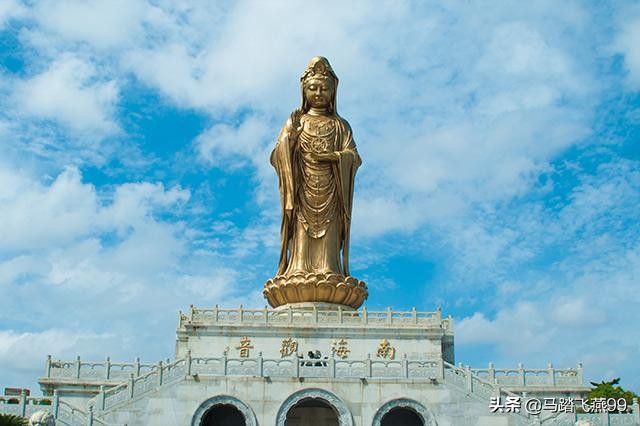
<point x="318" y="68"/>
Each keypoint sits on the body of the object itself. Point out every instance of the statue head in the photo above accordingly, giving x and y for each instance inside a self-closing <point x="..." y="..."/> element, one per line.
<point x="319" y="84"/>
<point x="42" y="418"/>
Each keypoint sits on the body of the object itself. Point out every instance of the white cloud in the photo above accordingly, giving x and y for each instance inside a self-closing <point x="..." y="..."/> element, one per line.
<point x="70" y="93"/>
<point x="102" y="23"/>
<point x="628" y="43"/>
<point x="10" y="9"/>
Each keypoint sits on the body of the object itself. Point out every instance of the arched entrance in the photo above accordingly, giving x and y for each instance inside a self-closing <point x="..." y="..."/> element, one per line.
<point x="403" y="412"/>
<point x="313" y="407"/>
<point x="223" y="415"/>
<point x="401" y="417"/>
<point x="224" y="410"/>
<point x="312" y="412"/>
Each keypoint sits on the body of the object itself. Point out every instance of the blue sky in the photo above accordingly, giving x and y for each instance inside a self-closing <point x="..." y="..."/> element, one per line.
<point x="501" y="175"/>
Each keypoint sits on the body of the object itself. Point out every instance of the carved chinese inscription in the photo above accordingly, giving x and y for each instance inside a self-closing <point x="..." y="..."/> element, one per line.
<point x="340" y="348"/>
<point x="288" y="347"/>
<point x="385" y="350"/>
<point x="245" y="346"/>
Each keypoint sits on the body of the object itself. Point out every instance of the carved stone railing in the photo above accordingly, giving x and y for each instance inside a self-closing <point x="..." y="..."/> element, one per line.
<point x="596" y="419"/>
<point x="522" y="377"/>
<point x="465" y="379"/>
<point x="134" y="387"/>
<point x="313" y="316"/>
<point x="65" y="414"/>
<point x="95" y="371"/>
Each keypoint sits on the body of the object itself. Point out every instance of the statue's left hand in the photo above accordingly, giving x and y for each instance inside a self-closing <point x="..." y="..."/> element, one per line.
<point x="325" y="156"/>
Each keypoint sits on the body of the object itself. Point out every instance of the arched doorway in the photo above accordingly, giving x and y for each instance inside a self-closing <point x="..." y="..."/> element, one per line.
<point x="403" y="412"/>
<point x="224" y="410"/>
<point x="313" y="407"/>
<point x="312" y="412"/>
<point x="223" y="415"/>
<point x="401" y="417"/>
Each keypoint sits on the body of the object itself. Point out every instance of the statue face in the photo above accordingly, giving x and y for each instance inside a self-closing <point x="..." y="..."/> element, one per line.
<point x="319" y="92"/>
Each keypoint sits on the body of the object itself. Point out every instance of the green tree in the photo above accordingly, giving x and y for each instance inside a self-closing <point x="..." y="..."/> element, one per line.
<point x="610" y="389"/>
<point x="11" y="420"/>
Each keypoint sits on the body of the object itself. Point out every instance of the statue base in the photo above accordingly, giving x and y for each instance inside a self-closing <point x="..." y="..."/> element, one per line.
<point x="315" y="288"/>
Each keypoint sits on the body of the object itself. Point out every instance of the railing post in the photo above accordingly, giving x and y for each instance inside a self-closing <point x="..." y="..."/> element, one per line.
<point x="492" y="373"/>
<point x="552" y="374"/>
<point x="469" y="379"/>
<point x="414" y="314"/>
<point x="131" y="384"/>
<point x="367" y="366"/>
<point x="332" y="365"/>
<point x="101" y="399"/>
<point x="47" y="367"/>
<point x="137" y="366"/>
<point x="365" y="316"/>
<point x="107" y="370"/>
<point x="55" y="404"/>
<point x="259" y="364"/>
<point x="339" y="314"/>
<point x="580" y="374"/>
<point x="441" y="369"/>
<point x="23" y="402"/>
<point x="191" y="312"/>
<point x="188" y="362"/>
<point x="215" y="313"/>
<point x="315" y="314"/>
<point x="240" y="314"/>
<point x="290" y="314"/>
<point x="522" y="373"/>
<point x="405" y="366"/>
<point x="159" y="373"/>
<point x="90" y="416"/>
<point x="78" y="367"/>
<point x="389" y="315"/>
<point x="265" y="311"/>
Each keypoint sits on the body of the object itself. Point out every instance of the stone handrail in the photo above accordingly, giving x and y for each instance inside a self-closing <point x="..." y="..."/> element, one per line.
<point x="313" y="316"/>
<point x="331" y="367"/>
<point x="522" y="377"/>
<point x="95" y="371"/>
<point x="65" y="413"/>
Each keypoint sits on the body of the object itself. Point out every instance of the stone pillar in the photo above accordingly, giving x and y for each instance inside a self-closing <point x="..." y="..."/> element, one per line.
<point x="90" y="416"/>
<point x="130" y="386"/>
<point x="107" y="369"/>
<point x="159" y="370"/>
<point x="23" y="402"/>
<point x="78" y="367"/>
<point x="552" y="374"/>
<point x="492" y="373"/>
<point x="55" y="403"/>
<point x="47" y="368"/>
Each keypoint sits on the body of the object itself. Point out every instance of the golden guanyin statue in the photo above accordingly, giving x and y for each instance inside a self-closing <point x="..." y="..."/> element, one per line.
<point x="316" y="160"/>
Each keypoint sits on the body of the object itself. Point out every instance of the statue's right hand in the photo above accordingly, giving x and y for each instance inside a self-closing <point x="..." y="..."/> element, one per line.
<point x="296" y="125"/>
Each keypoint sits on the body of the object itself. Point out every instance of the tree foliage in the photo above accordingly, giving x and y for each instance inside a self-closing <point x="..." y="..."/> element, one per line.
<point x="610" y="389"/>
<point x="12" y="420"/>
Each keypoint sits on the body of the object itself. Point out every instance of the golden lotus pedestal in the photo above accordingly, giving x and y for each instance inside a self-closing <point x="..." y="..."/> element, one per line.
<point x="301" y="289"/>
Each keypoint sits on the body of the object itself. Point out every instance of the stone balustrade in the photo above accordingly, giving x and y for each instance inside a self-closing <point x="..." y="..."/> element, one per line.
<point x="314" y="316"/>
<point x="95" y="371"/>
<point x="432" y="371"/>
<point x="65" y="413"/>
<point x="528" y="377"/>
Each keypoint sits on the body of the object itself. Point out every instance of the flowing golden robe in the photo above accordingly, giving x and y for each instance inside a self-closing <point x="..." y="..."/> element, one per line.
<point x="316" y="196"/>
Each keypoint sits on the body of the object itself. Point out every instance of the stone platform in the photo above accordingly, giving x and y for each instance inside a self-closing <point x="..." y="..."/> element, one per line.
<point x="306" y="365"/>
